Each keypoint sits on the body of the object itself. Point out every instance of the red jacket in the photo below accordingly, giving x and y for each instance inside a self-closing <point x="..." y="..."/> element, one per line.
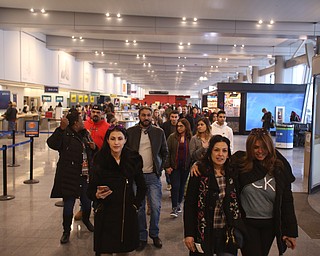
<point x="97" y="130"/>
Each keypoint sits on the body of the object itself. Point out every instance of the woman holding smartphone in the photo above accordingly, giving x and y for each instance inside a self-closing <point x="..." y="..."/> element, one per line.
<point x="116" y="168"/>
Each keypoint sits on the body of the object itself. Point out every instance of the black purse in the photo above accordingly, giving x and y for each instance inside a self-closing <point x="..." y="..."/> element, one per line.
<point x="234" y="239"/>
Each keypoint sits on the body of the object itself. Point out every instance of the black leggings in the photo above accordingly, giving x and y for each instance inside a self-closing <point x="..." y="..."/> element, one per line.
<point x="260" y="237"/>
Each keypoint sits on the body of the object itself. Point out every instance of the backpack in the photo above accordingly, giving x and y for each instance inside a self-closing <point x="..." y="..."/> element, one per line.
<point x="272" y="123"/>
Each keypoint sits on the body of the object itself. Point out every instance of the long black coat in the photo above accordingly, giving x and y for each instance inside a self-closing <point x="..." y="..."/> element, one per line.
<point x="116" y="218"/>
<point x="69" y="167"/>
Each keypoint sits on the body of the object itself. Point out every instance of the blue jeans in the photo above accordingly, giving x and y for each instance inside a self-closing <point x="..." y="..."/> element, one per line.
<point x="178" y="178"/>
<point x="85" y="201"/>
<point x="11" y="126"/>
<point x="154" y="194"/>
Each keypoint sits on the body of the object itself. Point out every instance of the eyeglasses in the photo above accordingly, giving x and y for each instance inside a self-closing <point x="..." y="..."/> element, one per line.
<point x="117" y="126"/>
<point x="259" y="131"/>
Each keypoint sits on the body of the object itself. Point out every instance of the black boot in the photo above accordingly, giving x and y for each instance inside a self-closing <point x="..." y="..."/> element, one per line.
<point x="65" y="238"/>
<point x="86" y="221"/>
<point x="67" y="221"/>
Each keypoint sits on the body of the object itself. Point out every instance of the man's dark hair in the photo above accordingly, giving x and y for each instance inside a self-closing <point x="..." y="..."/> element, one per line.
<point x="73" y="116"/>
<point x="175" y="112"/>
<point x="145" y="108"/>
<point x="221" y="112"/>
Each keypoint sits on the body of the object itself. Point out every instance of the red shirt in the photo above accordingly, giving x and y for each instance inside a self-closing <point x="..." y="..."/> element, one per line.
<point x="97" y="130"/>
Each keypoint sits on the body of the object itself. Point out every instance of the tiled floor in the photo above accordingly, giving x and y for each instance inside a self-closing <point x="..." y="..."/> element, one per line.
<point x="30" y="224"/>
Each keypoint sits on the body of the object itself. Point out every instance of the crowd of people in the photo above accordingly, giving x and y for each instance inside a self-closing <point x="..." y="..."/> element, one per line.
<point x="232" y="201"/>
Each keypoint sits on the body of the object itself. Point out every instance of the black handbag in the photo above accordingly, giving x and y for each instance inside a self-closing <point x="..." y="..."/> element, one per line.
<point x="234" y="239"/>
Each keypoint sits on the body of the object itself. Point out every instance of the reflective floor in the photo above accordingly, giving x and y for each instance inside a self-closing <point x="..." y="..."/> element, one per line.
<point x="30" y="224"/>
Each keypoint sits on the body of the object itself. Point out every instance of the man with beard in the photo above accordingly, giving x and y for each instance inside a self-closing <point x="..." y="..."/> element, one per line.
<point x="151" y="144"/>
<point x="97" y="128"/>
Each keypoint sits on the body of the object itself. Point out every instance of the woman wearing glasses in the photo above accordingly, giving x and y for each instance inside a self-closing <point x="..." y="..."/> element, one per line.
<point x="178" y="163"/>
<point x="265" y="178"/>
<point x="116" y="168"/>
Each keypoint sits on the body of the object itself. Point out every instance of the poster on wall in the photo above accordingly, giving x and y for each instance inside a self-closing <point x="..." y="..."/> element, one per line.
<point x="80" y="98"/>
<point x="28" y="59"/>
<point x="4" y="99"/>
<point x="64" y="68"/>
<point x="73" y="98"/>
<point x="86" y="98"/>
<point x="31" y="128"/>
<point x="116" y="102"/>
<point x="91" y="99"/>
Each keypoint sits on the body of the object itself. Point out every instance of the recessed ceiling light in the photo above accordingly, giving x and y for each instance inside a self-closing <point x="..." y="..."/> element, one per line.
<point x="242" y="46"/>
<point x="119" y="15"/>
<point x="184" y="18"/>
<point x="234" y="45"/>
<point x="138" y="56"/>
<point x="179" y="57"/>
<point x="260" y="22"/>
<point x="189" y="43"/>
<point x="134" y="41"/>
<point x="226" y="59"/>
<point x="185" y="57"/>
<point x="127" y="41"/>
<point x="43" y="10"/>
<point x="180" y="43"/>
<point x="271" y="22"/>
<point x="73" y="37"/>
<point x="80" y="38"/>
<point x="108" y="14"/>
<point x="195" y="19"/>
<point x="31" y="10"/>
<point x="211" y="66"/>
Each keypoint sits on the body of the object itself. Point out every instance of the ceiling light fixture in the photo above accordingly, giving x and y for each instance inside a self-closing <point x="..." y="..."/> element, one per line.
<point x="260" y="22"/>
<point x="118" y="15"/>
<point x="217" y="66"/>
<point x="31" y="10"/>
<point x="43" y="10"/>
<point x="242" y="46"/>
<point x="127" y="41"/>
<point x="108" y="14"/>
<point x="189" y="43"/>
<point x="134" y="41"/>
<point x="234" y="45"/>
<point x="180" y="43"/>
<point x="195" y="19"/>
<point x="184" y="18"/>
<point x="271" y="22"/>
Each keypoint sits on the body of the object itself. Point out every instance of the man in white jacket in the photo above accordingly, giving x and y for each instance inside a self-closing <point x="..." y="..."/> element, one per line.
<point x="220" y="127"/>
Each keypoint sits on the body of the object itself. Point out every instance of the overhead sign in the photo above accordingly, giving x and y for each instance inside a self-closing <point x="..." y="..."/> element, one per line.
<point x="158" y="92"/>
<point x="59" y="98"/>
<point x="31" y="128"/>
<point x="51" y="89"/>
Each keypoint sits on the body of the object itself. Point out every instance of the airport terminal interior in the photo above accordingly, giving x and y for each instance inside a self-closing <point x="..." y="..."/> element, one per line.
<point x="239" y="56"/>
<point x="30" y="224"/>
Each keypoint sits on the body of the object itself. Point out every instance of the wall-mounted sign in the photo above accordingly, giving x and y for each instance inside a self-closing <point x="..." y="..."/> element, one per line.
<point x="80" y="98"/>
<point x="95" y="93"/>
<point x="73" y="98"/>
<point x="85" y="98"/>
<point x="59" y="98"/>
<point x="31" y="128"/>
<point x="4" y="99"/>
<point x="51" y="89"/>
<point x="46" y="98"/>
<point x="91" y="99"/>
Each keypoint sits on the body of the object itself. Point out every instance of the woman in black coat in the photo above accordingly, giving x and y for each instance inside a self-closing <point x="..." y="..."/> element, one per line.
<point x="116" y="169"/>
<point x="76" y="151"/>
<point x="265" y="178"/>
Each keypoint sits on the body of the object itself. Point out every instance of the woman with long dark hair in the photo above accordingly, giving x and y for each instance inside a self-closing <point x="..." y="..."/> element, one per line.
<point x="265" y="178"/>
<point x="178" y="163"/>
<point x="116" y="169"/>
